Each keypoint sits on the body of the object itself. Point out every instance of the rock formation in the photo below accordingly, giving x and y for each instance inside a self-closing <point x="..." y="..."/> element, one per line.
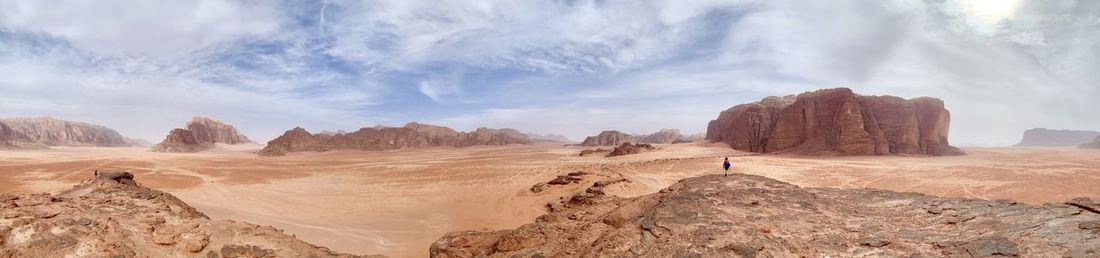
<point x="836" y="121"/>
<point x="181" y="140"/>
<point x="213" y="131"/>
<point x="201" y="134"/>
<point x="753" y="216"/>
<point x="50" y="131"/>
<point x="112" y="216"/>
<point x="549" y="138"/>
<point x="1095" y="144"/>
<point x="12" y="139"/>
<point x="629" y="148"/>
<point x="616" y="138"/>
<point x="1047" y="137"/>
<point x="412" y="135"/>
<point x="608" y="138"/>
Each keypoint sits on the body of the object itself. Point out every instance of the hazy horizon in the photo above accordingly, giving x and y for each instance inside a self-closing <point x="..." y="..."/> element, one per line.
<point x="573" y="68"/>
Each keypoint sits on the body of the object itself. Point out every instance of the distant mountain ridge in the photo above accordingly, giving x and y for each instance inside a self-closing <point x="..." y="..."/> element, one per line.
<point x="1049" y="137"/>
<point x="48" y="131"/>
<point x="412" y="135"/>
<point x="616" y="138"/>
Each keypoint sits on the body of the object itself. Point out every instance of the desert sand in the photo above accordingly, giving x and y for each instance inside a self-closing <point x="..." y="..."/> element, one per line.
<point x="397" y="203"/>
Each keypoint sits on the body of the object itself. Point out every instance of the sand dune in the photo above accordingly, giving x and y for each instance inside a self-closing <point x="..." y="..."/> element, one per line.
<point x="398" y="202"/>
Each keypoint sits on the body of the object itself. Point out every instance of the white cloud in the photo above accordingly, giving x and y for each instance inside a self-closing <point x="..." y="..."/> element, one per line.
<point x="158" y="29"/>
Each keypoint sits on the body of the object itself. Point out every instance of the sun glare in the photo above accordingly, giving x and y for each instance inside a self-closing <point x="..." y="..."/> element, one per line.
<point x="991" y="10"/>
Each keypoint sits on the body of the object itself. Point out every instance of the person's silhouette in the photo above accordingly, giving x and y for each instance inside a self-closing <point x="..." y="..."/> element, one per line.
<point x="726" y="166"/>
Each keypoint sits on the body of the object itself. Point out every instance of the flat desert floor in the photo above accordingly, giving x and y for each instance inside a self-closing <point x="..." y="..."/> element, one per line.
<point x="397" y="203"/>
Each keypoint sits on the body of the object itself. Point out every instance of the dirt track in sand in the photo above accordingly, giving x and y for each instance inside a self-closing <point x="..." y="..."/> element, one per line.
<point x="397" y="202"/>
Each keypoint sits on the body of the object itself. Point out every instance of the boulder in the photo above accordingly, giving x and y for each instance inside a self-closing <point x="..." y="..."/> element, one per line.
<point x="836" y="122"/>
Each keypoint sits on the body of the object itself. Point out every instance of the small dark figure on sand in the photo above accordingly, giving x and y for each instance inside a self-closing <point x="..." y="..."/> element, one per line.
<point x="726" y="166"/>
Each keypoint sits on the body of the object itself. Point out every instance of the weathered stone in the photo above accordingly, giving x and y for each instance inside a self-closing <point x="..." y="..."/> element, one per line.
<point x="628" y="148"/>
<point x="412" y="135"/>
<point x="609" y="138"/>
<point x="836" y="121"/>
<point x="746" y="215"/>
<point x="201" y="133"/>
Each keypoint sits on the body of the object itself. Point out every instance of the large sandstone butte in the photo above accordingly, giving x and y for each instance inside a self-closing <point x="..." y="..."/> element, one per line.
<point x="412" y="135"/>
<point x="1095" y="144"/>
<point x="836" y="121"/>
<point x="753" y="216"/>
<point x="201" y="134"/>
<point x="112" y="216"/>
<point x="1047" y="137"/>
<point x="50" y="131"/>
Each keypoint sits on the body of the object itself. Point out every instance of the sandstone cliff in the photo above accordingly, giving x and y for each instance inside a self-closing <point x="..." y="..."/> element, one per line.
<point x="201" y="134"/>
<point x="836" y="121"/>
<point x="12" y="139"/>
<point x="1047" y="137"/>
<point x="112" y="216"/>
<point x="753" y="216"/>
<point x="55" y="132"/>
<point x="412" y="135"/>
<point x="213" y="131"/>
<point x="609" y="138"/>
<point x="1095" y="144"/>
<point x="181" y="140"/>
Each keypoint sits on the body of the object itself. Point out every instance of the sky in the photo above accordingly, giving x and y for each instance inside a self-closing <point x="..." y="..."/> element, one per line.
<point x="569" y="67"/>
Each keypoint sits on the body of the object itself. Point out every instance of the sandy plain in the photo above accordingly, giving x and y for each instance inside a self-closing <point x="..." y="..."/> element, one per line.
<point x="397" y="203"/>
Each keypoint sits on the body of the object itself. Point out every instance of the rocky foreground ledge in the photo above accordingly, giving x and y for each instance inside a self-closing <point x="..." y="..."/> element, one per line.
<point x="112" y="216"/>
<point x="749" y="216"/>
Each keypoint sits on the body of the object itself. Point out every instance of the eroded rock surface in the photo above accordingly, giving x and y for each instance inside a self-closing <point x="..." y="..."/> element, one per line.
<point x="112" y="216"/>
<point x="412" y="135"/>
<point x="753" y="216"/>
<point x="181" y="140"/>
<point x="12" y="139"/>
<point x="609" y="138"/>
<point x="47" y="131"/>
<point x="1048" y="137"/>
<point x="836" y="121"/>
<point x="201" y="133"/>
<point x="629" y="148"/>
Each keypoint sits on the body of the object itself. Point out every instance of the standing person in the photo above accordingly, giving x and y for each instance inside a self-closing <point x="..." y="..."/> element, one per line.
<point x="726" y="165"/>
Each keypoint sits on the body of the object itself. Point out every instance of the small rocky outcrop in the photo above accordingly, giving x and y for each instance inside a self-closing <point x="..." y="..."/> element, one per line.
<point x="1051" y="138"/>
<point x="592" y="152"/>
<point x="836" y="122"/>
<point x="201" y="134"/>
<point x="112" y="216"/>
<point x="629" y="148"/>
<point x="752" y="216"/>
<point x="609" y="138"/>
<point x="48" y="131"/>
<point x="412" y="135"/>
<point x="1095" y="144"/>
